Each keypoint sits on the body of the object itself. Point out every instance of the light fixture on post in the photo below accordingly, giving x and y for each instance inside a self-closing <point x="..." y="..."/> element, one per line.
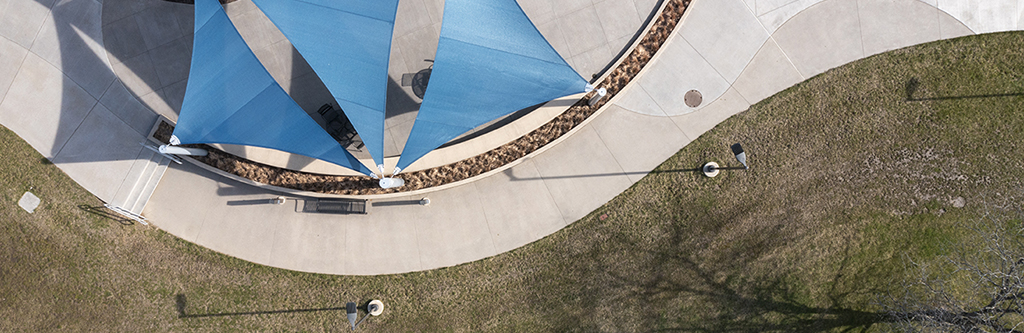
<point x="374" y="308"/>
<point x="353" y="314"/>
<point x="711" y="169"/>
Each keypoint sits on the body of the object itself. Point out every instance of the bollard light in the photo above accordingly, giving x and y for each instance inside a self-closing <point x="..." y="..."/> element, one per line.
<point x="711" y="169"/>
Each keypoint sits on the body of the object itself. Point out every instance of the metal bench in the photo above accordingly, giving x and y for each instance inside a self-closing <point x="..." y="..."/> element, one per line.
<point x="335" y="206"/>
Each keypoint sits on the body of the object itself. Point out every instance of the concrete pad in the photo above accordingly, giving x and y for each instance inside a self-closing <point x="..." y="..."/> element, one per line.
<point x="678" y="68"/>
<point x="768" y="73"/>
<point x="618" y="18"/>
<point x="1020" y="18"/>
<point x="309" y="92"/>
<point x="591" y="178"/>
<point x="399" y="132"/>
<point x="29" y="202"/>
<point x="43" y="106"/>
<point x="3" y="7"/>
<point x="639" y="142"/>
<point x="383" y="241"/>
<point x="564" y="8"/>
<point x="117" y="10"/>
<point x="174" y="95"/>
<point x="552" y="31"/>
<point x="415" y="50"/>
<point x="138" y="74"/>
<point x="156" y="26"/>
<point x="950" y="27"/>
<point x="309" y="244"/>
<point x="539" y="11"/>
<point x="22" y="20"/>
<point x="581" y="33"/>
<point x="233" y="224"/>
<point x="983" y="16"/>
<point x="123" y="39"/>
<point x="725" y="33"/>
<point x="823" y="37"/>
<point x="185" y="15"/>
<point x="888" y="25"/>
<point x="410" y="18"/>
<point x="646" y="8"/>
<point x="255" y="27"/>
<point x="593" y="61"/>
<point x="695" y="124"/>
<point x="180" y="202"/>
<point x="126" y="107"/>
<point x="158" y="103"/>
<point x="100" y="153"/>
<point x="635" y="99"/>
<point x="11" y="57"/>
<point x="277" y="59"/>
<point x="518" y="207"/>
<point x="435" y="9"/>
<point x="72" y="42"/>
<point x="774" y="13"/>
<point x="171" y="61"/>
<point x="453" y="229"/>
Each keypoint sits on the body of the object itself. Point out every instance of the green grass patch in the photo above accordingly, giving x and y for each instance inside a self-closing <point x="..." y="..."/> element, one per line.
<point x="852" y="173"/>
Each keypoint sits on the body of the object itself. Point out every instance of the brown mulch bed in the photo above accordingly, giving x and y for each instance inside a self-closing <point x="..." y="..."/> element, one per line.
<point x="362" y="185"/>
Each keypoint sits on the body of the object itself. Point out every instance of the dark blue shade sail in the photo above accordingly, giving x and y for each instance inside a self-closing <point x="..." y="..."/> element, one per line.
<point x="232" y="99"/>
<point x="347" y="43"/>
<point x="491" y="61"/>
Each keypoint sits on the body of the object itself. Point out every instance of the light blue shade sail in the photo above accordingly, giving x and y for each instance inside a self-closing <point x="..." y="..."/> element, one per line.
<point x="348" y="44"/>
<point x="232" y="99"/>
<point x="491" y="61"/>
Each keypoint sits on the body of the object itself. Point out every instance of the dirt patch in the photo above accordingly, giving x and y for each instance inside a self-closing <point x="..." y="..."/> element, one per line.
<point x="470" y="167"/>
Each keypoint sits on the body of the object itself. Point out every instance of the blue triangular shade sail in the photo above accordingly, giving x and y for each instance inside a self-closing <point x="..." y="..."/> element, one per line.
<point x="348" y="44"/>
<point x="230" y="98"/>
<point x="491" y="61"/>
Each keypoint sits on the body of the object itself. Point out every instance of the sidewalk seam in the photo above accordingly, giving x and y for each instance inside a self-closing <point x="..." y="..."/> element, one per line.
<point x="20" y="67"/>
<point x="548" y="189"/>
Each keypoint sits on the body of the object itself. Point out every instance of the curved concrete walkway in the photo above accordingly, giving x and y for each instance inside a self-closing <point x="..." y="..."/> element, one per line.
<point x="59" y="94"/>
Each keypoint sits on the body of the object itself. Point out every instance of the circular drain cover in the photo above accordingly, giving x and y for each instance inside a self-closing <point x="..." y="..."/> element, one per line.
<point x="693" y="98"/>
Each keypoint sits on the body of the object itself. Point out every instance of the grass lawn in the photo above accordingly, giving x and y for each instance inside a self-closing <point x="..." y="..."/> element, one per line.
<point x="852" y="172"/>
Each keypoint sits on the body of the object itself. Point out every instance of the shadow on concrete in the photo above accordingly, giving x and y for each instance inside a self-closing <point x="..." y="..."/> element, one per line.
<point x="395" y="203"/>
<point x="252" y="202"/>
<point x="513" y="177"/>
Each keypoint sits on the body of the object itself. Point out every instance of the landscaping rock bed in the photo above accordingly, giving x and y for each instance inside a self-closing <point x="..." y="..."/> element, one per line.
<point x="512" y="151"/>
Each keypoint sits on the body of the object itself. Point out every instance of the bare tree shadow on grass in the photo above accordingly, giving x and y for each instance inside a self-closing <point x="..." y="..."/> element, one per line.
<point x="685" y="280"/>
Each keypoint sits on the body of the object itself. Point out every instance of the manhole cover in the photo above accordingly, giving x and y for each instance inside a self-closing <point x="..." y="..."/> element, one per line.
<point x="693" y="98"/>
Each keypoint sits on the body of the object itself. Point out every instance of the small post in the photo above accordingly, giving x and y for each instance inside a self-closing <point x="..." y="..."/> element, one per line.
<point x="601" y="92"/>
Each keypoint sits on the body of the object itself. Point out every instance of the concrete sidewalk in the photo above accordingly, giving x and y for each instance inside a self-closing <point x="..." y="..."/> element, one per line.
<point x="735" y="52"/>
